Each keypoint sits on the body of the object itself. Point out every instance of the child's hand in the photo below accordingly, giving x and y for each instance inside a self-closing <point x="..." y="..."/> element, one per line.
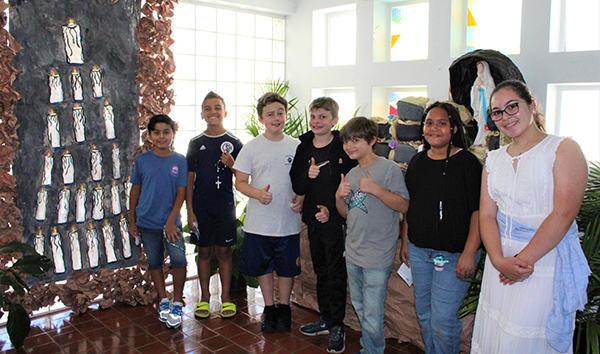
<point x="344" y="188"/>
<point x="404" y="253"/>
<point x="265" y="197"/>
<point x="133" y="231"/>
<point x="323" y="215"/>
<point x="172" y="231"/>
<point x="227" y="159"/>
<point x="313" y="170"/>
<point x="367" y="184"/>
<point x="297" y="204"/>
<point x="192" y="221"/>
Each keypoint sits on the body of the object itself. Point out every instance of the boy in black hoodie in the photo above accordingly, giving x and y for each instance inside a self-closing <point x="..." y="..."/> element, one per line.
<point x="316" y="173"/>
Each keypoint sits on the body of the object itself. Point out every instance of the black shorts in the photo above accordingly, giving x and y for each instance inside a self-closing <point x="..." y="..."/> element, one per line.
<point x="217" y="228"/>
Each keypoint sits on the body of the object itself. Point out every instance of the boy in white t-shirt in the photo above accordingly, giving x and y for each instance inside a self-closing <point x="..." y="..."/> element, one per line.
<point x="272" y="224"/>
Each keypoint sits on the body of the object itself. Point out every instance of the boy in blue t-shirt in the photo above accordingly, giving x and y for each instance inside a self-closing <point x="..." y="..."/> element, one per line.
<point x="159" y="182"/>
<point x="210" y="203"/>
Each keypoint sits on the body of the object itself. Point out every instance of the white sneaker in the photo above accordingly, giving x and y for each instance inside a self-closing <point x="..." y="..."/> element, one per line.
<point x="164" y="308"/>
<point x="174" y="318"/>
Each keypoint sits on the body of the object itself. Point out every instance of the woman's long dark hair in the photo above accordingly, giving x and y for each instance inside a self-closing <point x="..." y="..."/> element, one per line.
<point x="457" y="138"/>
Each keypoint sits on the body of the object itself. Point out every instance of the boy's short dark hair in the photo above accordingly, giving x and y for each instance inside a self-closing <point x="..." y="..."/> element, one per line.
<point x="161" y="118"/>
<point x="268" y="98"/>
<point x="212" y="94"/>
<point x="327" y="103"/>
<point x="361" y="128"/>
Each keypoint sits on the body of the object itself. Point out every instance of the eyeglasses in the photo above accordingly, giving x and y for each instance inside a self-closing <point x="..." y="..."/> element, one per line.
<point x="510" y="110"/>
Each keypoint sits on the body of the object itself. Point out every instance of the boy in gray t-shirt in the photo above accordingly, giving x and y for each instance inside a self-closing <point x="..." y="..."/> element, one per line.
<point x="370" y="197"/>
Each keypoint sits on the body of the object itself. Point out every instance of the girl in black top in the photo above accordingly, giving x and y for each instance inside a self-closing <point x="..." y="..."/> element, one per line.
<point x="440" y="236"/>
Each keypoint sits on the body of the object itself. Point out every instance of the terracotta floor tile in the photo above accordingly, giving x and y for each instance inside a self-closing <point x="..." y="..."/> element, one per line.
<point x="216" y="343"/>
<point x="263" y="347"/>
<point x="234" y="349"/>
<point x="125" y="349"/>
<point x="49" y="348"/>
<point x="69" y="337"/>
<point x="184" y="346"/>
<point x="82" y="346"/>
<point x="201" y="334"/>
<point x="292" y="344"/>
<point x="246" y="339"/>
<point x="229" y="330"/>
<point x="117" y="322"/>
<point x="37" y="340"/>
<point x="200" y="350"/>
<point x="141" y="340"/>
<point x="155" y="348"/>
<point x="88" y="326"/>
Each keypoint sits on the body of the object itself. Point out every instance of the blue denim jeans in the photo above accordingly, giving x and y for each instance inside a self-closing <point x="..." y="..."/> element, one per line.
<point x="367" y="292"/>
<point x="154" y="244"/>
<point x="438" y="296"/>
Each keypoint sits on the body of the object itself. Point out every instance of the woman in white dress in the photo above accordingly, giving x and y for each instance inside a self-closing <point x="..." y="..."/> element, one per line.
<point x="535" y="274"/>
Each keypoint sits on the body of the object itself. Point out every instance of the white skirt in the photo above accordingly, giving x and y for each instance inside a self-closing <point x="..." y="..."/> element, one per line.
<point x="512" y="318"/>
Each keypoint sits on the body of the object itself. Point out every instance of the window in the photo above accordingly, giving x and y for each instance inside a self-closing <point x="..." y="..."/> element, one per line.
<point x="385" y="98"/>
<point x="575" y="25"/>
<point x="344" y="97"/>
<point x="573" y="110"/>
<point x="225" y="51"/>
<point x="409" y="32"/>
<point x="494" y="25"/>
<point x="334" y="36"/>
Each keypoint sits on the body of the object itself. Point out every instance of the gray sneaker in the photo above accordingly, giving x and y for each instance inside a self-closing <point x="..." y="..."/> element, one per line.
<point x="315" y="328"/>
<point x="337" y="340"/>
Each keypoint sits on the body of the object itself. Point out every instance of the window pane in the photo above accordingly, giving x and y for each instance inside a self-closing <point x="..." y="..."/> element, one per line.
<point x="245" y="71"/>
<point x="184" y="16"/>
<point x="185" y="66"/>
<point x="206" y="68"/>
<point x="245" y="94"/>
<point x="225" y="45"/>
<point x="245" y="47"/>
<point x="206" y="43"/>
<point x="226" y="69"/>
<point x="263" y="71"/>
<point x="185" y="41"/>
<point x="227" y="91"/>
<point x="342" y="39"/>
<point x="278" y="29"/>
<point x="278" y="71"/>
<point x="206" y="18"/>
<point x="264" y="27"/>
<point x="229" y="121"/>
<point x="346" y="101"/>
<point x="182" y="140"/>
<point x="580" y="121"/>
<point x="278" y="51"/>
<point x="226" y="21"/>
<point x="264" y="49"/>
<point x="409" y="31"/>
<point x="184" y="92"/>
<point x="582" y="25"/>
<point x="202" y="89"/>
<point x="245" y="24"/>
<point x="185" y="116"/>
<point x="482" y="27"/>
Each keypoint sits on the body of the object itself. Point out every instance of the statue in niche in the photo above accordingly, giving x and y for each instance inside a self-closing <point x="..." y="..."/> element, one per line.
<point x="480" y="98"/>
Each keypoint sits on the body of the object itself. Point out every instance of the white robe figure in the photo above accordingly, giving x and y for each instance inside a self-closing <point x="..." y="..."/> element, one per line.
<point x="480" y="99"/>
<point x="42" y="201"/>
<point x="91" y="237"/>
<point x="57" y="252"/>
<point x="109" y="242"/>
<point x="124" y="227"/>
<point x="75" y="249"/>
<point x="39" y="242"/>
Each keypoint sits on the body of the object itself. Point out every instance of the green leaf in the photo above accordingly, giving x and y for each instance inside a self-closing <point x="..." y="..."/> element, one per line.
<point x="18" y="325"/>
<point x="34" y="264"/>
<point x="16" y="246"/>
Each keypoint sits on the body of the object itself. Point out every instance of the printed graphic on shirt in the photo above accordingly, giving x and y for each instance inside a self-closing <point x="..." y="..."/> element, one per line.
<point x="357" y="201"/>
<point x="202" y="147"/>
<point x="288" y="159"/>
<point x="227" y="146"/>
<point x="175" y="171"/>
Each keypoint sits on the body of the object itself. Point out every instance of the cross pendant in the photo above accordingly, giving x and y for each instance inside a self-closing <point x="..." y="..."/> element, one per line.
<point x="218" y="183"/>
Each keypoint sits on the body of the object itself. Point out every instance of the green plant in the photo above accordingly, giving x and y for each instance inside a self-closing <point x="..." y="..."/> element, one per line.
<point x="297" y="122"/>
<point x="587" y="322"/>
<point x="32" y="263"/>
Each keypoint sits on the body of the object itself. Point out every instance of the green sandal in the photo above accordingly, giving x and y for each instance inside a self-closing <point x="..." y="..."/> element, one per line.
<point x="202" y="309"/>
<point x="228" y="306"/>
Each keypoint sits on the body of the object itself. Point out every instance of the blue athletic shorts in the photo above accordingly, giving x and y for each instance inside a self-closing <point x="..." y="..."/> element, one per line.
<point x="154" y="244"/>
<point x="264" y="254"/>
<point x="217" y="227"/>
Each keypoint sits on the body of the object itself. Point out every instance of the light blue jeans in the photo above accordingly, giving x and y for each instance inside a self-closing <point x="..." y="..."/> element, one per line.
<point x="438" y="296"/>
<point x="367" y="292"/>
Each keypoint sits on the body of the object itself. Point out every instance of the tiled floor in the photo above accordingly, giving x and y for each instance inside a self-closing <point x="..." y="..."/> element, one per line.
<point x="124" y="329"/>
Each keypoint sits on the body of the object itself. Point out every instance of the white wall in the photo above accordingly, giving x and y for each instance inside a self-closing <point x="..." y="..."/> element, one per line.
<point x="539" y="67"/>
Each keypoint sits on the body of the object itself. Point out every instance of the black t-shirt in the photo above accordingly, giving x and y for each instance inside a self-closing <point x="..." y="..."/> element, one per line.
<point x="459" y="192"/>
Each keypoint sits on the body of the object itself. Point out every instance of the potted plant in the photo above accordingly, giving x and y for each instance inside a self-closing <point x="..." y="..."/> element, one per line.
<point x="32" y="263"/>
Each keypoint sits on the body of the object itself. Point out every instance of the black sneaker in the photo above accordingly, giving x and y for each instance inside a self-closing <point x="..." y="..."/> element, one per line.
<point x="315" y="328"/>
<point x="284" y="318"/>
<point x="268" y="322"/>
<point x="337" y="343"/>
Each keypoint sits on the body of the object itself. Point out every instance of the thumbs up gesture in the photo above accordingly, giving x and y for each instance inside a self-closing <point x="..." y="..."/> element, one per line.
<point x="344" y="188"/>
<point x="313" y="170"/>
<point x="265" y="197"/>
<point x="323" y="215"/>
<point x="367" y="184"/>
